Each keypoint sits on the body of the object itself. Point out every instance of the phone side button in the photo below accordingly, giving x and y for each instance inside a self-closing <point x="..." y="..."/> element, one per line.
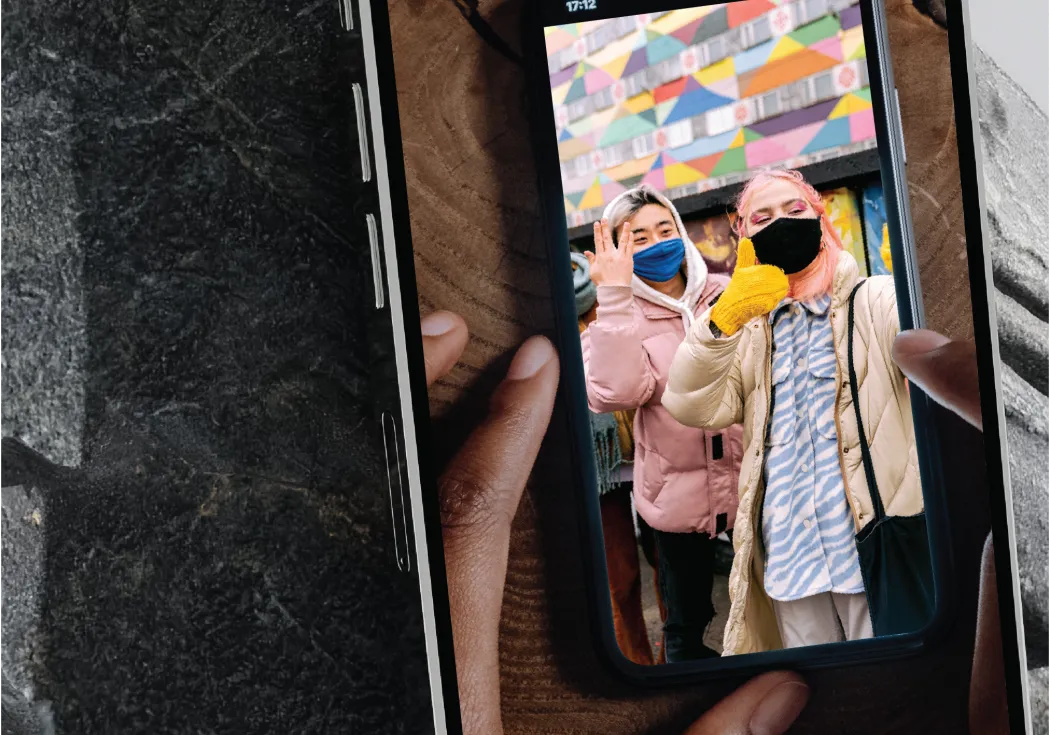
<point x="346" y="14"/>
<point x="900" y="125"/>
<point x="377" y="263"/>
<point x="362" y="131"/>
<point x="396" y="488"/>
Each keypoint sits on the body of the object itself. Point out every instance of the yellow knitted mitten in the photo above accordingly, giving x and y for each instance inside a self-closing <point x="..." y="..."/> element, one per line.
<point x="885" y="250"/>
<point x="753" y="290"/>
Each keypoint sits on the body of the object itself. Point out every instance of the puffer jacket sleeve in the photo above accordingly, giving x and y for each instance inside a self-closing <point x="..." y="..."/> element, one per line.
<point x="886" y="325"/>
<point x="619" y="374"/>
<point x="704" y="387"/>
<point x="882" y="301"/>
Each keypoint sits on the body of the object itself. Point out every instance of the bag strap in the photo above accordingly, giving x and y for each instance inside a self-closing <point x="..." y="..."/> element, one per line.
<point x="865" y="450"/>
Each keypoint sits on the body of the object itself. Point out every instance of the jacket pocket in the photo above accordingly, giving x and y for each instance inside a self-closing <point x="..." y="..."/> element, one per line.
<point x="653" y="475"/>
<point x="781" y="421"/>
<point x="820" y="404"/>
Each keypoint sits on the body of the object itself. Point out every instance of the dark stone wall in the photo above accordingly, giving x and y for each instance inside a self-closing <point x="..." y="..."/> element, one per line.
<point x="203" y="543"/>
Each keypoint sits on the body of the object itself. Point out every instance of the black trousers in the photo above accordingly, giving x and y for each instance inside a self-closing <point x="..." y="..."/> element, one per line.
<point x="686" y="565"/>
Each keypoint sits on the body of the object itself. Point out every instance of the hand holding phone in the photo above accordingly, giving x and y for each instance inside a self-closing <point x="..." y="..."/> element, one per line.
<point x="611" y="265"/>
<point x="482" y="487"/>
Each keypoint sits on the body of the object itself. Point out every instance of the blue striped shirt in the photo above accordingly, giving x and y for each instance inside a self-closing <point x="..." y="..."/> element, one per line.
<point x="807" y="525"/>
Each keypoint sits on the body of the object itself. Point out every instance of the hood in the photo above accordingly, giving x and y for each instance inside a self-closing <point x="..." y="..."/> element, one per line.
<point x="586" y="291"/>
<point x="695" y="268"/>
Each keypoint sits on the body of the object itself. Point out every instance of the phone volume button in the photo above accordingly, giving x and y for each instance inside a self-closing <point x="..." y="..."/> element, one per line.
<point x="362" y="132"/>
<point x="900" y="125"/>
<point x="396" y="488"/>
<point x="377" y="262"/>
<point x="346" y="15"/>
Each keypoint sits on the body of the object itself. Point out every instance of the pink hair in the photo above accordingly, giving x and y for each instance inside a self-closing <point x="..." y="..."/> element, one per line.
<point x="819" y="277"/>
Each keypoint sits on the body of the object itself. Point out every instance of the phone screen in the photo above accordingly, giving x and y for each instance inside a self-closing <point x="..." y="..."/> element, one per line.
<point x="734" y="210"/>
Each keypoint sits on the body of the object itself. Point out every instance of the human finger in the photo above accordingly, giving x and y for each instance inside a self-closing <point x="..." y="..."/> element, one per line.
<point x="745" y="253"/>
<point x="989" y="712"/>
<point x="479" y="494"/>
<point x="610" y="246"/>
<point x="945" y="369"/>
<point x="599" y="239"/>
<point x="626" y="241"/>
<point x="766" y="705"/>
<point x="444" y="337"/>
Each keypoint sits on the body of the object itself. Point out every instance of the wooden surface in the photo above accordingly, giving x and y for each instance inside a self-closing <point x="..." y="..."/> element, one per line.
<point x="479" y="251"/>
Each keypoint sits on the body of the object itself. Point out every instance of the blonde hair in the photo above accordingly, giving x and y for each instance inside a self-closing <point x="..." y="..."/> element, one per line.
<point x="818" y="277"/>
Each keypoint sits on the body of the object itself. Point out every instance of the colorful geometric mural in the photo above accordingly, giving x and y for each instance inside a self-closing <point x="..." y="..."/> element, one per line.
<point x="874" y="207"/>
<point x="691" y="100"/>
<point x="843" y="211"/>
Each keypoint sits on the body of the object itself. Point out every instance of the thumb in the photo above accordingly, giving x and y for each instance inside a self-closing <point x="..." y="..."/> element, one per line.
<point x="745" y="253"/>
<point x="766" y="705"/>
<point x="945" y="369"/>
<point x="589" y="256"/>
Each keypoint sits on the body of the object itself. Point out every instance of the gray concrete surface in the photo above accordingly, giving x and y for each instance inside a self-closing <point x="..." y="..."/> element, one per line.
<point x="201" y="541"/>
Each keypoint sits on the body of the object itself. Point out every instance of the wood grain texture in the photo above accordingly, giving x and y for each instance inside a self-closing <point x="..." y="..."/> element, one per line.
<point x="479" y="251"/>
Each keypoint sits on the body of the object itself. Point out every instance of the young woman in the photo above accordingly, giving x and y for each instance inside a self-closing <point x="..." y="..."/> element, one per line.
<point x="772" y="354"/>
<point x="652" y="284"/>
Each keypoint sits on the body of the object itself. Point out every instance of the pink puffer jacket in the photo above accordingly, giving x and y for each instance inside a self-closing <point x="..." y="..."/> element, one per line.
<point x="685" y="479"/>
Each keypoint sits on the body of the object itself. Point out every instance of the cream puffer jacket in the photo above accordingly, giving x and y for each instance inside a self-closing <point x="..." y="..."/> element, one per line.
<point x="717" y="382"/>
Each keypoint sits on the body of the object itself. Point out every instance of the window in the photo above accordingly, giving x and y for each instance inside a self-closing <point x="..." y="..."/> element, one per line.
<point x="668" y="70"/>
<point x="716" y="49"/>
<point x="634" y="84"/>
<point x="603" y="98"/>
<point x="582" y="165"/>
<point x="823" y="88"/>
<point x="769" y="105"/>
<point x="699" y="124"/>
<point x="760" y="30"/>
<point x="720" y="120"/>
<point x="650" y="77"/>
<point x="578" y="109"/>
<point x="643" y="145"/>
<point x="679" y="133"/>
<point x="735" y="42"/>
<point x="612" y="156"/>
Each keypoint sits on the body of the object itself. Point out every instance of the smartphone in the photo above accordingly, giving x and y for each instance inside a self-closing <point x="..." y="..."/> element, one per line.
<point x="689" y="100"/>
<point x="739" y="467"/>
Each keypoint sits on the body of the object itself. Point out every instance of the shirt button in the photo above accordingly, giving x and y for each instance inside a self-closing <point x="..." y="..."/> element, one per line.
<point x="802" y="362"/>
<point x="807" y="523"/>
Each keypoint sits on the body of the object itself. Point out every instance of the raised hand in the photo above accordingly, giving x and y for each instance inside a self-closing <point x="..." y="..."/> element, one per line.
<point x="611" y="265"/>
<point x="754" y="290"/>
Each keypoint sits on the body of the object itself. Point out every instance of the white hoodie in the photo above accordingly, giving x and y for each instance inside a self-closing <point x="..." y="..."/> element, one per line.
<point x="695" y="268"/>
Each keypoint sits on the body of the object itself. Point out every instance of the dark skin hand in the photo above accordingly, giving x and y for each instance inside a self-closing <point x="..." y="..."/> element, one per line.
<point x="482" y="486"/>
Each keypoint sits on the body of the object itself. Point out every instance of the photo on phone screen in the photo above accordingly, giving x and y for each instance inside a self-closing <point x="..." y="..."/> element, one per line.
<point x="753" y="442"/>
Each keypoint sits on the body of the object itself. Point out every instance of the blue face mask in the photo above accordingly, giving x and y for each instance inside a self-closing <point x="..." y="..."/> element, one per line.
<point x="661" y="262"/>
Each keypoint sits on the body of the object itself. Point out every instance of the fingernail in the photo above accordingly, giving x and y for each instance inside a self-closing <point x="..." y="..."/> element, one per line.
<point x="918" y="341"/>
<point x="530" y="358"/>
<point x="437" y="323"/>
<point x="779" y="709"/>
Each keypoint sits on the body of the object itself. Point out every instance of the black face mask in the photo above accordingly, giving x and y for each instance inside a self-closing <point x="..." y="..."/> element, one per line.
<point x="789" y="243"/>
